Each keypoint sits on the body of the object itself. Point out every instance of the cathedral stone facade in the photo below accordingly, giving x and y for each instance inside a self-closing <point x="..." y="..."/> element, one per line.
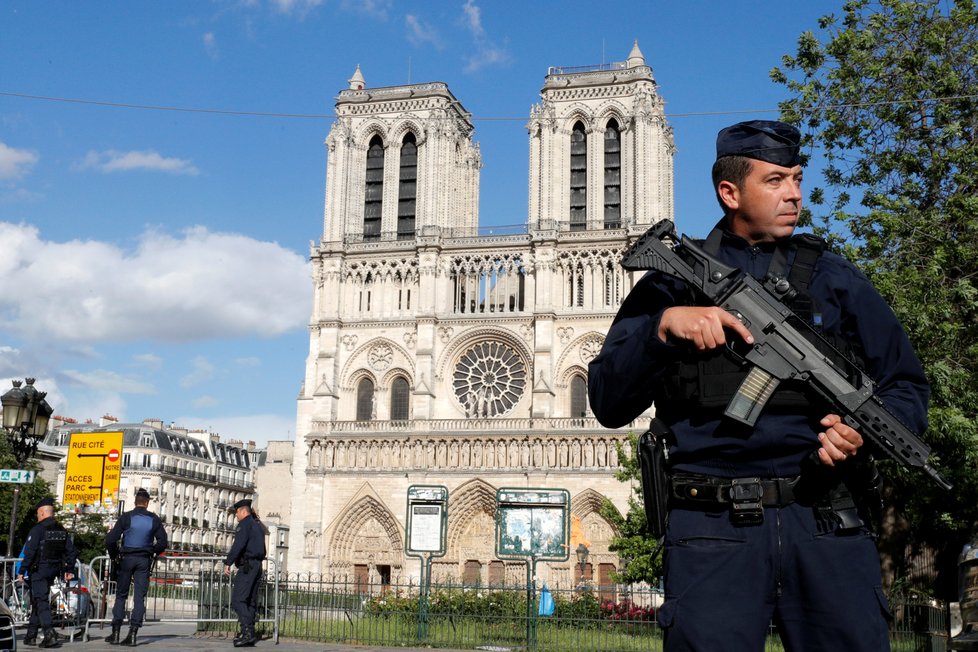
<point x="439" y="355"/>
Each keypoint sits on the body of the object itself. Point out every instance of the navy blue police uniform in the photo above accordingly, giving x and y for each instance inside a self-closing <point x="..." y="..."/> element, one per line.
<point x="137" y="537"/>
<point x="246" y="554"/>
<point x="48" y="553"/>
<point x="809" y="562"/>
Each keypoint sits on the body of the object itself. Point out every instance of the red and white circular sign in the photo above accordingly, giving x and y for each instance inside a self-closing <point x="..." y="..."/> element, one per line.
<point x="113" y="455"/>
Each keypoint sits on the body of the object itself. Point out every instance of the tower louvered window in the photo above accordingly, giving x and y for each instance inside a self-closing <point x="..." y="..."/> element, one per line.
<point x="578" y="178"/>
<point x="365" y="399"/>
<point x="578" y="397"/>
<point x="399" y="399"/>
<point x="612" y="176"/>
<point x="407" y="189"/>
<point x="374" y="191"/>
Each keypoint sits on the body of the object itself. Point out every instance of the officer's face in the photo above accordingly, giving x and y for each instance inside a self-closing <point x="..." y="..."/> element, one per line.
<point x="241" y="513"/>
<point x="766" y="206"/>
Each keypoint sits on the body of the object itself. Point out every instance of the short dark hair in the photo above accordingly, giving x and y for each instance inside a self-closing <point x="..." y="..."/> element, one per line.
<point x="141" y="500"/>
<point x="733" y="169"/>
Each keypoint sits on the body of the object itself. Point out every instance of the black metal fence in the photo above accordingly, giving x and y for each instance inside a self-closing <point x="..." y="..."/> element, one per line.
<point x="497" y="617"/>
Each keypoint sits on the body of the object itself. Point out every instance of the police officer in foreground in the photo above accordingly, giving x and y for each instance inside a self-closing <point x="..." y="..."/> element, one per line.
<point x="247" y="553"/>
<point x="48" y="553"/>
<point x="143" y="538"/>
<point x="802" y="555"/>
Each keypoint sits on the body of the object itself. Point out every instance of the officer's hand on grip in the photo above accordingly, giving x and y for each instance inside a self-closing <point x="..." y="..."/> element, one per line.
<point x="839" y="441"/>
<point x="701" y="326"/>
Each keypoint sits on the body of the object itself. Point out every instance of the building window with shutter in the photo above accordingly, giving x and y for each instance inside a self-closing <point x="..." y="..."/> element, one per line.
<point x="374" y="190"/>
<point x="407" y="189"/>
<point x="578" y="178"/>
<point x="612" y="176"/>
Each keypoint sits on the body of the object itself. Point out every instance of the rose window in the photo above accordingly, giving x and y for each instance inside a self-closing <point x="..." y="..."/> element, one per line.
<point x="489" y="379"/>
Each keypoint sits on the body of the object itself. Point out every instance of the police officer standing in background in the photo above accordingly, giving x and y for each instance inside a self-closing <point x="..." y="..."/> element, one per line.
<point x="767" y="523"/>
<point x="143" y="538"/>
<point x="247" y="553"/>
<point x="49" y="552"/>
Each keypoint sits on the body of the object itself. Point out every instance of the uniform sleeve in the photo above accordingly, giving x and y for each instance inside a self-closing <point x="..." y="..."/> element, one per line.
<point x="71" y="553"/>
<point x="889" y="356"/>
<point x="30" y="549"/>
<point x="239" y="545"/>
<point x="159" y="536"/>
<point x="623" y="377"/>
<point x="115" y="534"/>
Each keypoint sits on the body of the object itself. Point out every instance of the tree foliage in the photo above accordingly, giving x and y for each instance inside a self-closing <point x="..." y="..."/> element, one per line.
<point x="30" y="494"/>
<point x="888" y="94"/>
<point x="636" y="549"/>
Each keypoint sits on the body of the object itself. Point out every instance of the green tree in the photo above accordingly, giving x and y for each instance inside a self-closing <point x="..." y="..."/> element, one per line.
<point x="887" y="93"/>
<point x="637" y="550"/>
<point x="30" y="494"/>
<point x="88" y="532"/>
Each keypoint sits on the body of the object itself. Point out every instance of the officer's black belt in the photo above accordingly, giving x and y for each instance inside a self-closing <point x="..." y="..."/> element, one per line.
<point x="704" y="490"/>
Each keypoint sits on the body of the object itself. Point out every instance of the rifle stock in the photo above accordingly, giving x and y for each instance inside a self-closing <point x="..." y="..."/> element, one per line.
<point x="780" y="350"/>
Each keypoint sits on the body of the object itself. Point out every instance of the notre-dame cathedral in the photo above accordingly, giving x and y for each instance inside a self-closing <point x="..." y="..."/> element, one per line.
<point x="442" y="356"/>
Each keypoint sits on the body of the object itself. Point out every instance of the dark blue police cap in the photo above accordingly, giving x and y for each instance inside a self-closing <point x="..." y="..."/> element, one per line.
<point x="244" y="502"/>
<point x="44" y="502"/>
<point x="764" y="140"/>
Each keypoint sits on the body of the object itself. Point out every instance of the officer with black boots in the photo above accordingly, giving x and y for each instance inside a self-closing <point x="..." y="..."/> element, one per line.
<point x="247" y="553"/>
<point x="49" y="552"/>
<point x="143" y="539"/>
<point x="769" y="522"/>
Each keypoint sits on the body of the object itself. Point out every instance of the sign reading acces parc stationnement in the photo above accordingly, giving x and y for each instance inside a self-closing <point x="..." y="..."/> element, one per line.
<point x="92" y="471"/>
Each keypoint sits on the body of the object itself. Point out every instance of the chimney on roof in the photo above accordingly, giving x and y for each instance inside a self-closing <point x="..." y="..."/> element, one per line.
<point x="251" y="445"/>
<point x="107" y="419"/>
<point x="154" y="423"/>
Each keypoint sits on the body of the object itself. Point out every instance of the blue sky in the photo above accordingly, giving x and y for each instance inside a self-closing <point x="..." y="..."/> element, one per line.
<point x="153" y="262"/>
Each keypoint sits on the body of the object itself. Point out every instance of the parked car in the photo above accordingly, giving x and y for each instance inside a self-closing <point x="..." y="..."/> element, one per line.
<point x="8" y="629"/>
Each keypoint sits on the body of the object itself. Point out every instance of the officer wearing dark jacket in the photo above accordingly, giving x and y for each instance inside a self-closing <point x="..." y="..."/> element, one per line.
<point x="49" y="552"/>
<point x="247" y="553"/>
<point x="802" y="555"/>
<point x="143" y="538"/>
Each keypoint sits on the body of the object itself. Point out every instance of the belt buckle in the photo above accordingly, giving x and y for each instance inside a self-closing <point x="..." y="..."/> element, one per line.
<point x="745" y="501"/>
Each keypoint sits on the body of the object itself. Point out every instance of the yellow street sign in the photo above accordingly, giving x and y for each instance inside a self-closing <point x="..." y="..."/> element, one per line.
<point x="92" y="471"/>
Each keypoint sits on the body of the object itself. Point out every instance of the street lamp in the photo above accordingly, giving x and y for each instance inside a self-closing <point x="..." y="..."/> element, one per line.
<point x="582" y="555"/>
<point x="25" y="419"/>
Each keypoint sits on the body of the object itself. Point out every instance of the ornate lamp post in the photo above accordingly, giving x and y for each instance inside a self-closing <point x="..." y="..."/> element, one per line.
<point x="25" y="419"/>
<point x="582" y="555"/>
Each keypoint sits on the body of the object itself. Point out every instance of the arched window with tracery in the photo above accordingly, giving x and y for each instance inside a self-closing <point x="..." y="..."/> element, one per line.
<point x="400" y="399"/>
<point x="578" y="397"/>
<point x="374" y="192"/>
<point x="612" y="176"/>
<point x="578" y="178"/>
<point x="407" y="189"/>
<point x="365" y="399"/>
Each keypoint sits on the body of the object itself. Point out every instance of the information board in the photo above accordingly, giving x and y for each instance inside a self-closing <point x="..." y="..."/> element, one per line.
<point x="427" y="520"/>
<point x="533" y="523"/>
<point x="92" y="472"/>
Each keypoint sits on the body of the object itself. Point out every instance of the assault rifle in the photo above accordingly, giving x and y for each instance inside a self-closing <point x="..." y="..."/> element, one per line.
<point x="780" y="350"/>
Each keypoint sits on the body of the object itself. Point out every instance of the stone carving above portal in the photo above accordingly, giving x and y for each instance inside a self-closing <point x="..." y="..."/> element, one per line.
<point x="590" y="348"/>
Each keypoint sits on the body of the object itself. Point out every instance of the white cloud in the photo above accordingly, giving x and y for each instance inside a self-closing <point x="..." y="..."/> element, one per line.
<point x="149" y="361"/>
<point x="488" y="53"/>
<point x="115" y="161"/>
<point x="204" y="402"/>
<point x="420" y="32"/>
<point x="202" y="371"/>
<point x="300" y="7"/>
<point x="378" y="9"/>
<point x="107" y="380"/>
<point x="210" y="45"/>
<point x="15" y="163"/>
<point x="200" y="285"/>
<point x="251" y="361"/>
<point x="259" y="428"/>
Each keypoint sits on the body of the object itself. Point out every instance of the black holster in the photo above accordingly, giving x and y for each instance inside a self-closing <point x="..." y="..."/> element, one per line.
<point x="653" y="461"/>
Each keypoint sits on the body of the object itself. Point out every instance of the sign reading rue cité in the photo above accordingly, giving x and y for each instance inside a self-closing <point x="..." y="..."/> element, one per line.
<point x="92" y="471"/>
